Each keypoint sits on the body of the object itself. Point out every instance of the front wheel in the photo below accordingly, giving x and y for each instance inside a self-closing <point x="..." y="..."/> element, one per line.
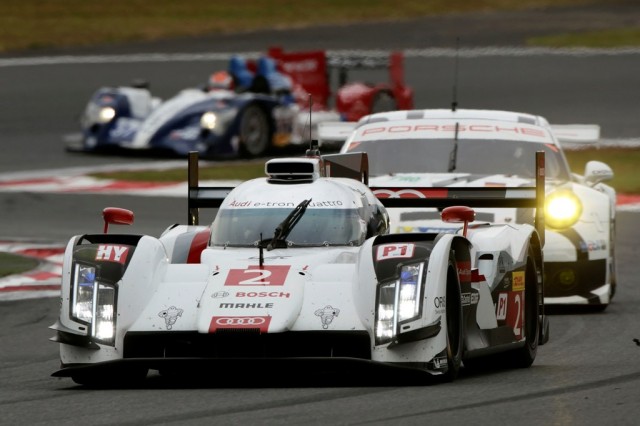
<point x="255" y="134"/>
<point x="454" y="323"/>
<point x="524" y="356"/>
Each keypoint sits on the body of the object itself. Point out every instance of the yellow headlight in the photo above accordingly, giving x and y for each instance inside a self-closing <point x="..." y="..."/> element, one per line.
<point x="208" y="120"/>
<point x="562" y="209"/>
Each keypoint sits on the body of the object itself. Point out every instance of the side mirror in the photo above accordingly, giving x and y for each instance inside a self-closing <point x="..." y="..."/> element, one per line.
<point x="596" y="172"/>
<point x="117" y="216"/>
<point x="457" y="214"/>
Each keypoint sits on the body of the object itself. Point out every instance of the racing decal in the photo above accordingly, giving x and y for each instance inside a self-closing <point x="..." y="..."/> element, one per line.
<point x="239" y="322"/>
<point x="501" y="307"/>
<point x="517" y="283"/>
<point x="258" y="275"/>
<point x="470" y="298"/>
<point x="112" y="253"/>
<point x="199" y="243"/>
<point x="327" y="314"/>
<point x="464" y="270"/>
<point x="170" y="316"/>
<point x="246" y="306"/>
<point x="278" y="294"/>
<point x="284" y="204"/>
<point x="587" y="246"/>
<point x="425" y="129"/>
<point x="440" y="303"/>
<point x="515" y="312"/>
<point x="395" y="251"/>
<point x="410" y="193"/>
<point x="220" y="294"/>
<point x="440" y="362"/>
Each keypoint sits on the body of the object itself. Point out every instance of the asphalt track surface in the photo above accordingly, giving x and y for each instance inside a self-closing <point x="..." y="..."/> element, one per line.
<point x="587" y="374"/>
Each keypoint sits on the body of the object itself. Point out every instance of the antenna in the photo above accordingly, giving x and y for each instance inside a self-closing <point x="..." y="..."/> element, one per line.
<point x="454" y="103"/>
<point x="310" y="108"/>
<point x="260" y="252"/>
<point x="313" y="150"/>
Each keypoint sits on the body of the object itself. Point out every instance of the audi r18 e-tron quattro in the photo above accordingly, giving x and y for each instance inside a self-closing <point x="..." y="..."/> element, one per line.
<point x="252" y="106"/>
<point x="298" y="267"/>
<point x="466" y="147"/>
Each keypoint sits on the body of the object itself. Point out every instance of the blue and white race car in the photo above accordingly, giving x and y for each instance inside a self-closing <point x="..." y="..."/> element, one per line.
<point x="253" y="106"/>
<point x="298" y="269"/>
<point x="466" y="147"/>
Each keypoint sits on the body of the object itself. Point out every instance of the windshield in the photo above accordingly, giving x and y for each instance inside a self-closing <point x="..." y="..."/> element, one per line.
<point x="484" y="157"/>
<point x="317" y="227"/>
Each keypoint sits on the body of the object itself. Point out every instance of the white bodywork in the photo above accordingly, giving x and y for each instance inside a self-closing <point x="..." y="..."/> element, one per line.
<point x="324" y="288"/>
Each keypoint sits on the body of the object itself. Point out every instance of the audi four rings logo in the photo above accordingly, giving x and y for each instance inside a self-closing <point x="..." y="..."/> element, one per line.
<point x="240" y="321"/>
<point x="226" y="322"/>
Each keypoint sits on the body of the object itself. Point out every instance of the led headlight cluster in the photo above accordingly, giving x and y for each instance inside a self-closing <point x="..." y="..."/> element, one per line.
<point x="398" y="301"/>
<point x="93" y="303"/>
<point x="562" y="209"/>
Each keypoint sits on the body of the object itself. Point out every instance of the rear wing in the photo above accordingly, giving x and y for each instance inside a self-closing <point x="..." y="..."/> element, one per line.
<point x="493" y="197"/>
<point x="311" y="69"/>
<point x="201" y="196"/>
<point x="335" y="131"/>
<point x="394" y="62"/>
<point x="356" y="166"/>
<point x="576" y="133"/>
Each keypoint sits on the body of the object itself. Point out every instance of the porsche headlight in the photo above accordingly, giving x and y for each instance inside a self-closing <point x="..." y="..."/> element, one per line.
<point x="93" y="303"/>
<point x="398" y="301"/>
<point x="106" y="114"/>
<point x="562" y="209"/>
<point x="208" y="120"/>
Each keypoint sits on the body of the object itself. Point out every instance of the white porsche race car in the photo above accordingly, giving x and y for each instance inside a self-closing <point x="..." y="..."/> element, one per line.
<point x="299" y="268"/>
<point x="460" y="148"/>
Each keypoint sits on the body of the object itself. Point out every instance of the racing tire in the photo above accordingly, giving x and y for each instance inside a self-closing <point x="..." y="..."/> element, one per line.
<point x="254" y="132"/>
<point x="612" y="276"/>
<point x="454" y="323"/>
<point x="383" y="102"/>
<point x="523" y="357"/>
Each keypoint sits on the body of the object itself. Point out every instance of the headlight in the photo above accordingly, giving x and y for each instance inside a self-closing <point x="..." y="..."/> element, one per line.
<point x="93" y="303"/>
<point x="562" y="209"/>
<point x="106" y="114"/>
<point x="82" y="301"/>
<point x="208" y="120"/>
<point x="398" y="301"/>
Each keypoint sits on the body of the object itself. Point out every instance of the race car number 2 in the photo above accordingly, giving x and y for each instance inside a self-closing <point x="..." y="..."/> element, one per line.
<point x="258" y="275"/>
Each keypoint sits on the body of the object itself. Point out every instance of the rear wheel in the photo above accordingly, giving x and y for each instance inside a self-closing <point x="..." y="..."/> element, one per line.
<point x="254" y="131"/>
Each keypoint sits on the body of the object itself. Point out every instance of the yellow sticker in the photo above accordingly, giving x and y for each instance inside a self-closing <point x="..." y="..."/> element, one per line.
<point x="518" y="281"/>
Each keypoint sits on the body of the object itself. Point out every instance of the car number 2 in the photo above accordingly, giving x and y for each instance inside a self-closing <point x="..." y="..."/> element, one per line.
<point x="258" y="276"/>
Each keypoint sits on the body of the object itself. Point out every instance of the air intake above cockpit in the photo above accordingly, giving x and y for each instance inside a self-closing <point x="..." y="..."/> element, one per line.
<point x="293" y="170"/>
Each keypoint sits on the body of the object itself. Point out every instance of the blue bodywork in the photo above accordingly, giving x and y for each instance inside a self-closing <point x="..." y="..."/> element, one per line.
<point x="175" y="125"/>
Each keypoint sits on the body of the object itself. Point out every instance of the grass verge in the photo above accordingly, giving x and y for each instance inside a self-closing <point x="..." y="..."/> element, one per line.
<point x="38" y="24"/>
<point x="15" y="264"/>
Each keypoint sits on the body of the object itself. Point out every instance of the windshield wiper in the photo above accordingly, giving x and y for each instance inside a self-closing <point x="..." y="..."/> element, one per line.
<point x="453" y="156"/>
<point x="285" y="227"/>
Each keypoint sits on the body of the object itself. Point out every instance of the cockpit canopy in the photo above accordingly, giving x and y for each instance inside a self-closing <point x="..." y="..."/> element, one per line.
<point x="338" y="214"/>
